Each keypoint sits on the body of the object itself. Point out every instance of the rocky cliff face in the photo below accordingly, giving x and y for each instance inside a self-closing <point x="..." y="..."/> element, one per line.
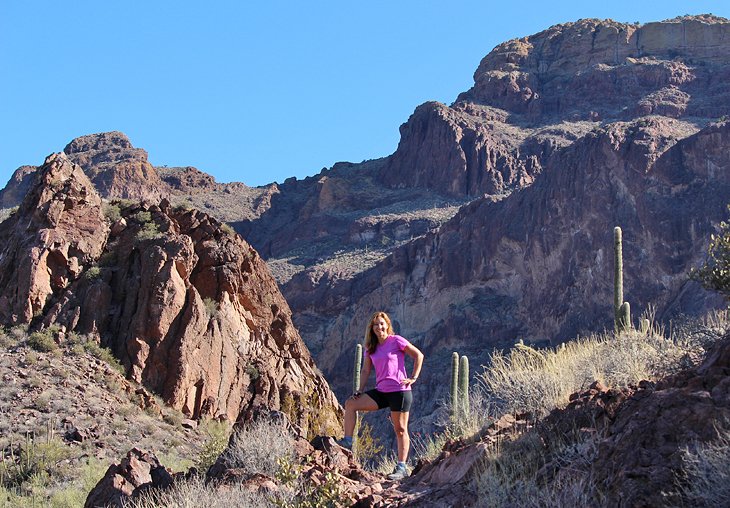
<point x="538" y="93"/>
<point x="189" y="308"/>
<point x="538" y="265"/>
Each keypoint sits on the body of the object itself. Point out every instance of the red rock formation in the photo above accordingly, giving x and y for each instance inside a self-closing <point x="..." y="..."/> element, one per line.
<point x="190" y="309"/>
<point x="58" y="231"/>
<point x="117" y="169"/>
<point x="138" y="470"/>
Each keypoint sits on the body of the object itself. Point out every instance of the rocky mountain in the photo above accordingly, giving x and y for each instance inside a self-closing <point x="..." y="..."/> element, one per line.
<point x="564" y="135"/>
<point x="188" y="307"/>
<point x="594" y="105"/>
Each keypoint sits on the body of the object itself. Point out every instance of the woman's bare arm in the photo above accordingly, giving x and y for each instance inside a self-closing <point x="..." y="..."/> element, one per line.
<point x="417" y="356"/>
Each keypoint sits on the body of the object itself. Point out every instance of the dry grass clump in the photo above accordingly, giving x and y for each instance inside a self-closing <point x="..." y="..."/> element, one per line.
<point x="537" y="381"/>
<point x="194" y="493"/>
<point x="515" y="473"/>
<point x="707" y="473"/>
<point x="260" y="447"/>
<point x="535" y="471"/>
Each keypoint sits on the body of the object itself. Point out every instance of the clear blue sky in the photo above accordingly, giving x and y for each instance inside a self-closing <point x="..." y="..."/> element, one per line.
<point x="254" y="91"/>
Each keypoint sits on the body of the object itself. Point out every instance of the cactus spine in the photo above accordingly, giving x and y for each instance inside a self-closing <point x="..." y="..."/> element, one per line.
<point x="454" y="384"/>
<point x="464" y="386"/>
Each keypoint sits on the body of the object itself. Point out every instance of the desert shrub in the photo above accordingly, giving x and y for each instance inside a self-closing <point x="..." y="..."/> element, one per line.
<point x="92" y="273"/>
<point x="105" y="354"/>
<point x="538" y="380"/>
<point x="368" y="447"/>
<point x="258" y="447"/>
<point x="215" y="444"/>
<point x="227" y="229"/>
<point x="706" y="471"/>
<point x="112" y="212"/>
<point x="509" y="474"/>
<point x="36" y="461"/>
<point x="6" y="339"/>
<point x="149" y="231"/>
<point x="211" y="307"/>
<point x="173" y="462"/>
<point x="298" y="493"/>
<point x="714" y="274"/>
<point x="142" y="217"/>
<point x="43" y="341"/>
<point x="108" y="258"/>
<point x="73" y="494"/>
<point x="194" y="492"/>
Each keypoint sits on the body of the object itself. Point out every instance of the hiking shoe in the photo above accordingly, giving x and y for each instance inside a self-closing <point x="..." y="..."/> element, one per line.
<point x="345" y="444"/>
<point x="398" y="473"/>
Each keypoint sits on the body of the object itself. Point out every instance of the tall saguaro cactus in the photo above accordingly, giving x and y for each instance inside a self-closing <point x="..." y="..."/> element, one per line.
<point x="454" y="385"/>
<point x="464" y="386"/>
<point x="618" y="277"/>
<point x="621" y="309"/>
<point x="355" y="387"/>
<point x="459" y="387"/>
<point x="357" y="369"/>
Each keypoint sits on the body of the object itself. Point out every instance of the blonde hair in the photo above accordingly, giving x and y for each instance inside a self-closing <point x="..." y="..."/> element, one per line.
<point x="371" y="340"/>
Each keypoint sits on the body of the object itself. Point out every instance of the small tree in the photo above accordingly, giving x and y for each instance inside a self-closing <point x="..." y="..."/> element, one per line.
<point x="715" y="273"/>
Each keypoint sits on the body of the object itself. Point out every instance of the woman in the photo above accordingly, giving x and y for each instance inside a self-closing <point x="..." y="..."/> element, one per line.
<point x="386" y="351"/>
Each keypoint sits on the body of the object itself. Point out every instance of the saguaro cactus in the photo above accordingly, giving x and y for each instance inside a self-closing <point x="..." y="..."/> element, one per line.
<point x="618" y="277"/>
<point x="621" y="309"/>
<point x="464" y="386"/>
<point x="357" y="369"/>
<point x="454" y="384"/>
<point x="625" y="317"/>
<point x="355" y="387"/>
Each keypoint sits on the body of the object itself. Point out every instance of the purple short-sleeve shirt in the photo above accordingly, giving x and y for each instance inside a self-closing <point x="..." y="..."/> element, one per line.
<point x="390" y="366"/>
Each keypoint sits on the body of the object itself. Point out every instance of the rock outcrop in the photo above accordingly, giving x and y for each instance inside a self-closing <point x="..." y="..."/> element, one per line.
<point x="58" y="231"/>
<point x="137" y="471"/>
<point x="16" y="189"/>
<point x="538" y="93"/>
<point x="641" y="458"/>
<point x="116" y="168"/>
<point x="188" y="307"/>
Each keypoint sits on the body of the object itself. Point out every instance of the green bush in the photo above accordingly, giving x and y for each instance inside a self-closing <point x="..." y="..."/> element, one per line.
<point x="112" y="212"/>
<point x="715" y="273"/>
<point x="92" y="273"/>
<point x="218" y="433"/>
<point x="104" y="354"/>
<point x="142" y="217"/>
<point x="149" y="231"/>
<point x="43" y="341"/>
<point x="35" y="461"/>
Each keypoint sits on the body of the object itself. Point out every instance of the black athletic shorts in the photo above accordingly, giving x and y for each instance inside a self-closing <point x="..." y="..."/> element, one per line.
<point x="396" y="401"/>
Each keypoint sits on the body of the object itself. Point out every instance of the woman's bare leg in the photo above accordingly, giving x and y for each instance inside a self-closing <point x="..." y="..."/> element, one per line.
<point x="400" y="425"/>
<point x="352" y="406"/>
